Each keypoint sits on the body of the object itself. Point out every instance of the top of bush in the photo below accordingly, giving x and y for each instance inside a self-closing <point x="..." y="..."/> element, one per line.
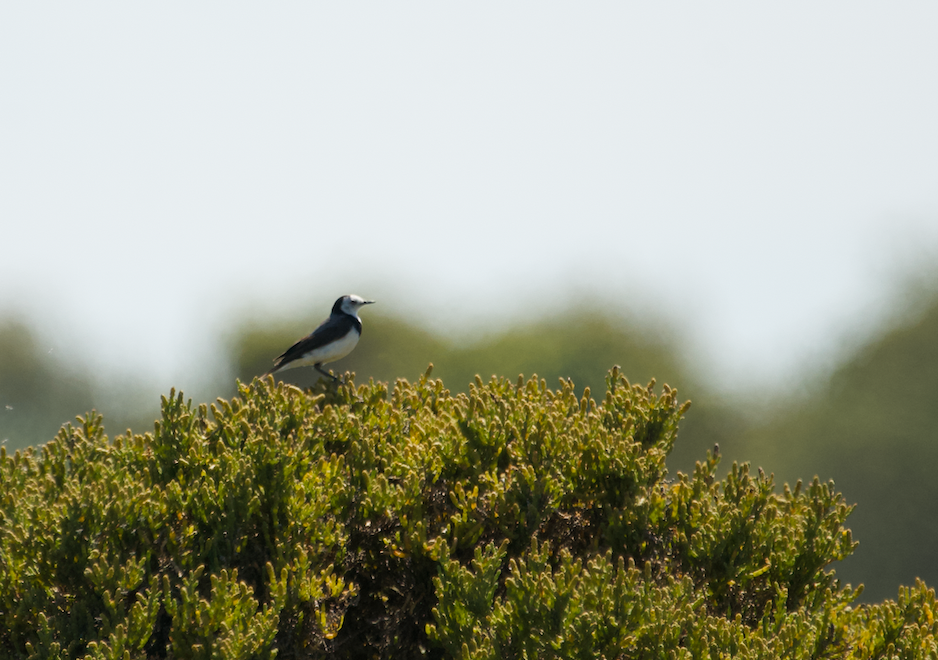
<point x="512" y="521"/>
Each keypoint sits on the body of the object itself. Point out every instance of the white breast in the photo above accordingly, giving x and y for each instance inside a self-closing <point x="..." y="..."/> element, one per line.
<point x="329" y="353"/>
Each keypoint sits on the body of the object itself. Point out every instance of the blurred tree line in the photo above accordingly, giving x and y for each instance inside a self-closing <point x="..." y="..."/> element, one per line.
<point x="37" y="392"/>
<point x="872" y="428"/>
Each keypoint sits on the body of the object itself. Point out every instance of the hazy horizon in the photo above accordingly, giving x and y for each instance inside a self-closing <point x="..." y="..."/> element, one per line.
<point x="758" y="179"/>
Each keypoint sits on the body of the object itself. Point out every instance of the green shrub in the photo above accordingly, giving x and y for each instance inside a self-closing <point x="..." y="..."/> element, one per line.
<point x="514" y="521"/>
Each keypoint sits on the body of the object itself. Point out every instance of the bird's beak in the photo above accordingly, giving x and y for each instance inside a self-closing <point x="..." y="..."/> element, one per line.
<point x="369" y="302"/>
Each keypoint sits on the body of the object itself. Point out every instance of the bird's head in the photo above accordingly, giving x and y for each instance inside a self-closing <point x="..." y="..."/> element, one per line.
<point x="350" y="305"/>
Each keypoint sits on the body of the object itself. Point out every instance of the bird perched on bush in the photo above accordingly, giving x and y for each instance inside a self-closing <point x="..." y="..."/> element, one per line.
<point x="331" y="341"/>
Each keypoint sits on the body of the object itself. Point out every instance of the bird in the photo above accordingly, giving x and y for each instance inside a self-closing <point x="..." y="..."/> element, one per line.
<point x="332" y="340"/>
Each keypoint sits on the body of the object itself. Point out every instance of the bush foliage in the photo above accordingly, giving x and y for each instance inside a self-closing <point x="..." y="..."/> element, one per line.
<point x="514" y="521"/>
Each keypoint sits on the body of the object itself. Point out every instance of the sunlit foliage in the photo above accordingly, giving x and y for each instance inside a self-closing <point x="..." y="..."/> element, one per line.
<point x="578" y="344"/>
<point x="365" y="521"/>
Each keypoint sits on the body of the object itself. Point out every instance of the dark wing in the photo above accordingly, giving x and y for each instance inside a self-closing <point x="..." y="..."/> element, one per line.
<point x="331" y="330"/>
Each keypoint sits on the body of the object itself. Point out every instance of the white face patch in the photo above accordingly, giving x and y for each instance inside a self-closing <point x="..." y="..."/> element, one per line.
<point x="351" y="304"/>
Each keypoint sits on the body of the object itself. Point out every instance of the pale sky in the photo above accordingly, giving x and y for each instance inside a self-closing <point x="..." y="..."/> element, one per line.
<point x="759" y="173"/>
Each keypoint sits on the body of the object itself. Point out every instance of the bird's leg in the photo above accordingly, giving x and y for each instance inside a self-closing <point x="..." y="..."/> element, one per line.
<point x="318" y="367"/>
